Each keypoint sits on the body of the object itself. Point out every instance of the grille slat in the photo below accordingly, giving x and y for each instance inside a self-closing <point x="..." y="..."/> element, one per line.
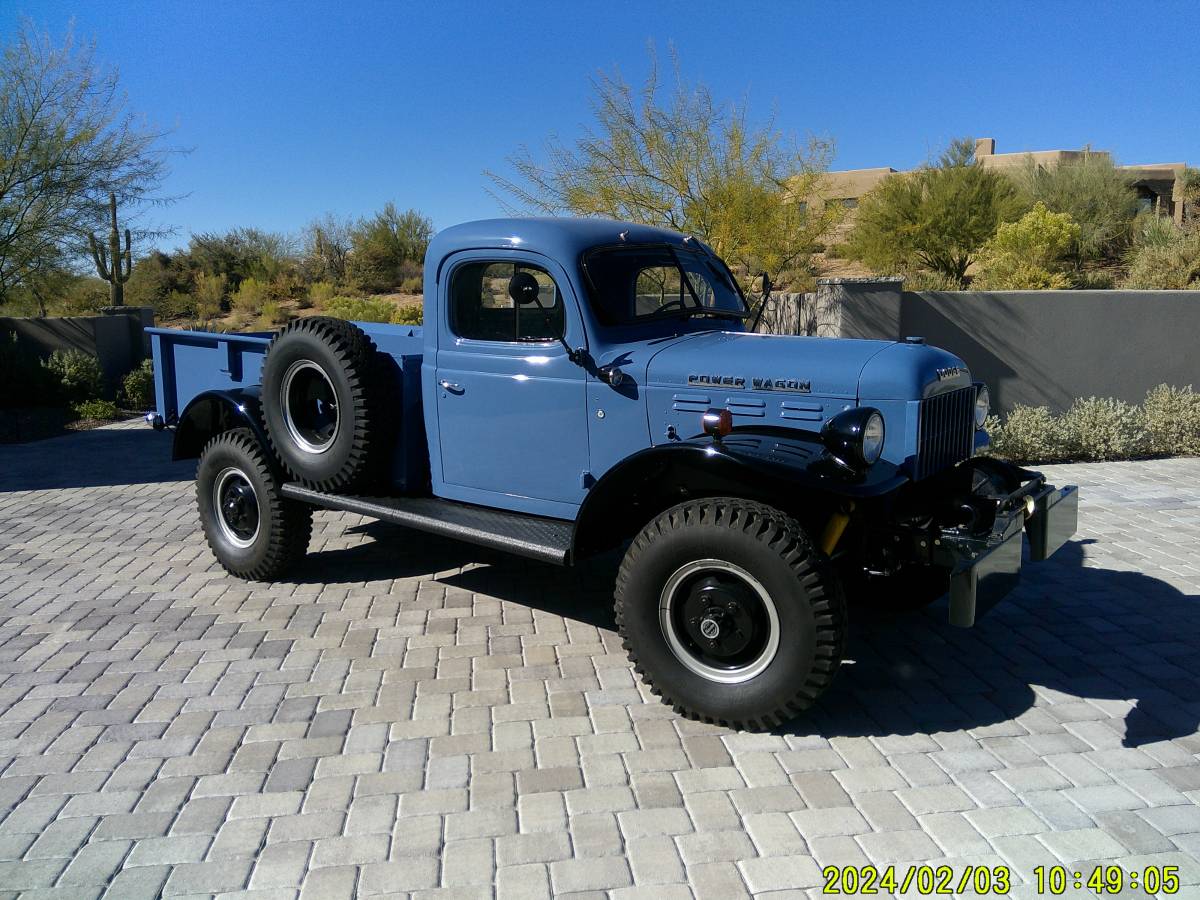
<point x="945" y="431"/>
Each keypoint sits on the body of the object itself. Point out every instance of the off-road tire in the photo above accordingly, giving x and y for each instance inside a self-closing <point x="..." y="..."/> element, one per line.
<point x="285" y="526"/>
<point x="774" y="549"/>
<point x="348" y="359"/>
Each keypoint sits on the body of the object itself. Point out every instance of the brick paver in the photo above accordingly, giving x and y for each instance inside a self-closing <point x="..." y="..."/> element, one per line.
<point x="409" y="714"/>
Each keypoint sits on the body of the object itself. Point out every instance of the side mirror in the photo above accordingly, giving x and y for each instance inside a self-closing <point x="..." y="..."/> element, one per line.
<point x="523" y="289"/>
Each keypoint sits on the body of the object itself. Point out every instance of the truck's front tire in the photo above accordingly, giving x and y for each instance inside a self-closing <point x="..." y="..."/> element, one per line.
<point x="730" y="614"/>
<point x="252" y="529"/>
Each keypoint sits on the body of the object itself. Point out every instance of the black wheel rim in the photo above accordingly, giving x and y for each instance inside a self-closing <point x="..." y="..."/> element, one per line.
<point x="719" y="621"/>
<point x="310" y="408"/>
<point x="236" y="505"/>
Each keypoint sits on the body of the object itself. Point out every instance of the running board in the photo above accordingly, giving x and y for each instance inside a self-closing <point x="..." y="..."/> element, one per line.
<point x="537" y="537"/>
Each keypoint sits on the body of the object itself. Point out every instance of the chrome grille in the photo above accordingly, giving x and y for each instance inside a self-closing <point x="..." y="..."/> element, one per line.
<point x="945" y="431"/>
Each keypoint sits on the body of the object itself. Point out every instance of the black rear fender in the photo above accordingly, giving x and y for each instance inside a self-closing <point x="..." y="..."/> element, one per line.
<point x="214" y="412"/>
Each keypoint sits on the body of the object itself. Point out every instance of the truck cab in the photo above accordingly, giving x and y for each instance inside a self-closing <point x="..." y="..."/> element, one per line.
<point x="581" y="385"/>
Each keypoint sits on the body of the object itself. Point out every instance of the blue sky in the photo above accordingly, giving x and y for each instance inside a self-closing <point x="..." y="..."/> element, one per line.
<point x="296" y="108"/>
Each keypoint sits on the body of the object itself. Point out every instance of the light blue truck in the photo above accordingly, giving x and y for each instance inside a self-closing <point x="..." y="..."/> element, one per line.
<point x="585" y="385"/>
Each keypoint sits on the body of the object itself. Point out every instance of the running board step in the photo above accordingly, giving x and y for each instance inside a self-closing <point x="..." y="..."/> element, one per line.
<point x="548" y="540"/>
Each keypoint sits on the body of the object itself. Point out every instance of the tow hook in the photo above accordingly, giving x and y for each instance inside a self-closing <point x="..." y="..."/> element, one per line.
<point x="835" y="528"/>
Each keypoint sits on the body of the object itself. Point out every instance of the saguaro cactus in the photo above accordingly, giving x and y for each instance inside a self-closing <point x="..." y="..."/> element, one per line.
<point x="108" y="265"/>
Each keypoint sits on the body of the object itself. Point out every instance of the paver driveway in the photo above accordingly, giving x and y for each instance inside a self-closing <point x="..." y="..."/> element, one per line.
<point x="412" y="714"/>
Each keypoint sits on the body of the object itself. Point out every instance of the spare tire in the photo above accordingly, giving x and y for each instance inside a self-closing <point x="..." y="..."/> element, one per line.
<point x="321" y="401"/>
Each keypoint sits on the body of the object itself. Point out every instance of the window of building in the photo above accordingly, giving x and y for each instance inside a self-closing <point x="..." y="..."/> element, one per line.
<point x="482" y="309"/>
<point x="849" y="202"/>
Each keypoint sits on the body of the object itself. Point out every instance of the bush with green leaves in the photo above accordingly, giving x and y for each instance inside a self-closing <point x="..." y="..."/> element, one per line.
<point x="1102" y="428"/>
<point x="139" y="386"/>
<point x="408" y="314"/>
<point x="250" y="296"/>
<point x="1028" y="254"/>
<point x="1027" y="434"/>
<point x="273" y="314"/>
<point x="360" y="309"/>
<point x="320" y="293"/>
<point x="414" y="284"/>
<point x="1164" y="256"/>
<point x="209" y="294"/>
<point x="77" y="374"/>
<point x="1172" y="420"/>
<point x="96" y="409"/>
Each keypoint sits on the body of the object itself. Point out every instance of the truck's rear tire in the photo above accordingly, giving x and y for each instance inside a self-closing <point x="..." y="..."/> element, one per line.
<point x="252" y="529"/>
<point x="321" y="399"/>
<point x="730" y="614"/>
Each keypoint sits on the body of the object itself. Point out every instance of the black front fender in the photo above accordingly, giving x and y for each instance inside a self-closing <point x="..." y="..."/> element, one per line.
<point x="775" y="468"/>
<point x="213" y="412"/>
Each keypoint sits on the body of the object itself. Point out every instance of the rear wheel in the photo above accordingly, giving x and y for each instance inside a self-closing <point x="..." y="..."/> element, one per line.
<point x="730" y="614"/>
<point x="253" y="531"/>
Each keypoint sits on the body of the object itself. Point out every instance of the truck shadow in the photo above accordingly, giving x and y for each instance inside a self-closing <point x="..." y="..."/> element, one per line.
<point x="1078" y="642"/>
<point x="101" y="457"/>
<point x="1070" y="634"/>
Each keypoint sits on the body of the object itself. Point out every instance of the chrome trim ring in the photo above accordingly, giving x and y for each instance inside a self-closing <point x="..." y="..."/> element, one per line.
<point x="670" y="596"/>
<point x="302" y="440"/>
<point x="220" y="502"/>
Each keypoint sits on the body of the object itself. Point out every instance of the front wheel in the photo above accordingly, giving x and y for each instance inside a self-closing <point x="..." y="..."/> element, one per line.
<point x="730" y="614"/>
<point x="253" y="530"/>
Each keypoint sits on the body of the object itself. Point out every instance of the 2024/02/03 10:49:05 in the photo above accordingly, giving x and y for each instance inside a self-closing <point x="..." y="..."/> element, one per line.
<point x="943" y="880"/>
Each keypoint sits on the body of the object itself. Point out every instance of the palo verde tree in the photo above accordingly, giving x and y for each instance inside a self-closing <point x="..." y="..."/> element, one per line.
<point x="67" y="143"/>
<point x="677" y="158"/>
<point x="935" y="218"/>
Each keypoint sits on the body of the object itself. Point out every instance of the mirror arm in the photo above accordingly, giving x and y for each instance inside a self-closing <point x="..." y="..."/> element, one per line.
<point x="762" y="304"/>
<point x="579" y="357"/>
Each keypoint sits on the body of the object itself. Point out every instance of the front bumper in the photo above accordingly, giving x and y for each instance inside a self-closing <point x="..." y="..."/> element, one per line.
<point x="984" y="569"/>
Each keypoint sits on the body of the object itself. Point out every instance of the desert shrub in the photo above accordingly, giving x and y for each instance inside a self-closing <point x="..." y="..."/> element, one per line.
<point x="1164" y="256"/>
<point x="360" y="309"/>
<point x="77" y="374"/>
<point x="1028" y="434"/>
<point x="138" y="386"/>
<point x="285" y="285"/>
<point x="319" y="293"/>
<point x="82" y="297"/>
<point x="95" y="409"/>
<point x="1103" y="428"/>
<point x="273" y="314"/>
<point x="250" y="296"/>
<point x="408" y="314"/>
<point x="926" y="280"/>
<point x="414" y="284"/>
<point x="1094" y="280"/>
<point x="176" y="305"/>
<point x="1027" y="254"/>
<point x="1172" y="420"/>
<point x="26" y="381"/>
<point x="209" y="295"/>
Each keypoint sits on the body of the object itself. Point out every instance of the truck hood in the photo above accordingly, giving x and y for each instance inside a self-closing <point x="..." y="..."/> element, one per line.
<point x="827" y="367"/>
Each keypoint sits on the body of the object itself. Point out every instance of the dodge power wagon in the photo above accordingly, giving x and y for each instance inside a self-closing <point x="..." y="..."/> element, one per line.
<point x="582" y="386"/>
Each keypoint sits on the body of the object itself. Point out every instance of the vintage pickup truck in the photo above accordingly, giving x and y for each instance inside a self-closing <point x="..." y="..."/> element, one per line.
<point x="585" y="385"/>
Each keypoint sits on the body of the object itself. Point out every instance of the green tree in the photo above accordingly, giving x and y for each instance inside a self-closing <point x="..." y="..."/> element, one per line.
<point x="67" y="140"/>
<point x="1097" y="195"/>
<point x="326" y="248"/>
<point x="1028" y="254"/>
<point x="387" y="248"/>
<point x="935" y="219"/>
<point x="679" y="159"/>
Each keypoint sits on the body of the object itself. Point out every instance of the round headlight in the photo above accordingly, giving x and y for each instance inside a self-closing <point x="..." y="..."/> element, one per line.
<point x="855" y="437"/>
<point x="872" y="439"/>
<point x="983" y="405"/>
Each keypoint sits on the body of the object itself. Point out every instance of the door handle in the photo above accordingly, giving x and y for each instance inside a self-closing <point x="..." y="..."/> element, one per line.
<point x="452" y="386"/>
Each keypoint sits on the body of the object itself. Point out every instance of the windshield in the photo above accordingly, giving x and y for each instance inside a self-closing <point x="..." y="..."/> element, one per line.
<point x="632" y="284"/>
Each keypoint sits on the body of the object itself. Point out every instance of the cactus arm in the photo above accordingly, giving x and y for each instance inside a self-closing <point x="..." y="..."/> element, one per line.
<point x="128" y="268"/>
<point x="99" y="257"/>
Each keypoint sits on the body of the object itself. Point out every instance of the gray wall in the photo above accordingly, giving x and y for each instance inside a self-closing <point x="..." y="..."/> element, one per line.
<point x="1041" y="348"/>
<point x="115" y="338"/>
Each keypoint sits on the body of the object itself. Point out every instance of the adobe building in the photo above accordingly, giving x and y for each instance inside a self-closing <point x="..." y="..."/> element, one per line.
<point x="1159" y="185"/>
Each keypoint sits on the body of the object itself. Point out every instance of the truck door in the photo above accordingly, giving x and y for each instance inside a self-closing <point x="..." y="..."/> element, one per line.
<point x="511" y="406"/>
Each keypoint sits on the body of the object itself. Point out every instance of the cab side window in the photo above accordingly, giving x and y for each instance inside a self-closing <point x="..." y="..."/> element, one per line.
<point x="482" y="307"/>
